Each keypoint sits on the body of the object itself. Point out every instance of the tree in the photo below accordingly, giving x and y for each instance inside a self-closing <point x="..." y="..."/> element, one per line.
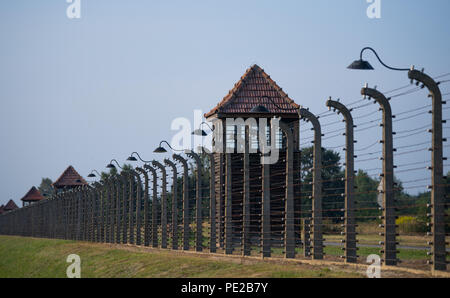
<point x="366" y="197"/>
<point x="46" y="188"/>
<point x="332" y="182"/>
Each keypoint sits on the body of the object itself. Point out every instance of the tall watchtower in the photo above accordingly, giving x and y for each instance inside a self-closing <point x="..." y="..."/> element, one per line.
<point x="256" y="96"/>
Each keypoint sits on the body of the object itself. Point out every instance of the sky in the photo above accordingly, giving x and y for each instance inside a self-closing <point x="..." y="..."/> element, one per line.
<point x="83" y="91"/>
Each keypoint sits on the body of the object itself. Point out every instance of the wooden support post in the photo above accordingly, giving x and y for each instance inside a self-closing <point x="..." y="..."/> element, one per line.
<point x="266" y="230"/>
<point x="246" y="242"/>
<point x="228" y="206"/>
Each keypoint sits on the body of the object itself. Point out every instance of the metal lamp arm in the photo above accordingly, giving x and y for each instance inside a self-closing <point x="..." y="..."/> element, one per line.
<point x="117" y="163"/>
<point x="137" y="154"/>
<point x="378" y="57"/>
<point x="212" y="129"/>
<point x="160" y="143"/>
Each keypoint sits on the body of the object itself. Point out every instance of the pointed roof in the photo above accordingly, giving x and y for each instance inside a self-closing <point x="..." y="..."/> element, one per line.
<point x="69" y="178"/>
<point x="10" y="206"/>
<point x="33" y="195"/>
<point x="255" y="88"/>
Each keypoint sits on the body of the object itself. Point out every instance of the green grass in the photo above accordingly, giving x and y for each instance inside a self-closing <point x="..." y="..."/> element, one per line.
<point x="404" y="254"/>
<point x="31" y="257"/>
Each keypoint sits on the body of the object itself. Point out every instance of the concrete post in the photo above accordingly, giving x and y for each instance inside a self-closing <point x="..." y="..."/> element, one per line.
<point x="438" y="250"/>
<point x="163" y="203"/>
<point x="212" y="200"/>
<point x="146" y="208"/>
<point x="154" y="205"/>
<point x="98" y="215"/>
<point x="120" y="184"/>
<point x="289" y="227"/>
<point x="79" y="198"/>
<point x="131" y="220"/>
<point x="169" y="163"/>
<point x="350" y="223"/>
<point x="390" y="246"/>
<point x="198" y="202"/>
<point x="112" y="204"/>
<point x="306" y="237"/>
<point x="125" y="204"/>
<point x="186" y="230"/>
<point x="317" y="184"/>
<point x="138" y="188"/>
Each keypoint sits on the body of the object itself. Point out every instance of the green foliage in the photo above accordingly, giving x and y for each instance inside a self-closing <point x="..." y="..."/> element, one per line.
<point x="333" y="184"/>
<point x="411" y="224"/>
<point x="46" y="188"/>
<point x="366" y="197"/>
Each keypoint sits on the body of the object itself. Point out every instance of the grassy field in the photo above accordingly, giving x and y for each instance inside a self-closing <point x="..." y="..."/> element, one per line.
<point x="31" y="257"/>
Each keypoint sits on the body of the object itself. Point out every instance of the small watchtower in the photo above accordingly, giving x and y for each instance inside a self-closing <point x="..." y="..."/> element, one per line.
<point x="32" y="196"/>
<point x="10" y="206"/>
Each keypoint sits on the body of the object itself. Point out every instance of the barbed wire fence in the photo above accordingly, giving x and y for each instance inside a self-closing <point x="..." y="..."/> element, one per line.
<point x="192" y="202"/>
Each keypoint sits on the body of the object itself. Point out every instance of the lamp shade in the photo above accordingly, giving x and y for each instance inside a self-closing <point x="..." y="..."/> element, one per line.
<point x="199" y="132"/>
<point x="160" y="150"/>
<point x="360" y="64"/>
<point x="131" y="158"/>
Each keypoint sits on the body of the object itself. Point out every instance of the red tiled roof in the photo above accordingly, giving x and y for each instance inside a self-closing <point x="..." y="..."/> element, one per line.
<point x="253" y="89"/>
<point x="10" y="206"/>
<point x="33" y="195"/>
<point x="69" y="178"/>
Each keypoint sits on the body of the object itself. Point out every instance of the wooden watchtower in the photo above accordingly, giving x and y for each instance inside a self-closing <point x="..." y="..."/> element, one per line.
<point x="31" y="197"/>
<point x="257" y="96"/>
<point x="69" y="179"/>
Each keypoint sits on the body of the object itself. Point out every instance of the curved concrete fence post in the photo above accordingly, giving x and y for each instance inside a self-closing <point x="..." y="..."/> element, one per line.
<point x="186" y="221"/>
<point x="350" y="223"/>
<point x="317" y="230"/>
<point x="198" y="202"/>
<point x="390" y="246"/>
<point x="146" y="207"/>
<point x="438" y="250"/>
<point x="163" y="203"/>
<point x="289" y="227"/>
<point x="170" y="164"/>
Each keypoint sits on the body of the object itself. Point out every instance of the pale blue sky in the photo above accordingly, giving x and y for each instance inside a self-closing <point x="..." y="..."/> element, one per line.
<point x="80" y="92"/>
